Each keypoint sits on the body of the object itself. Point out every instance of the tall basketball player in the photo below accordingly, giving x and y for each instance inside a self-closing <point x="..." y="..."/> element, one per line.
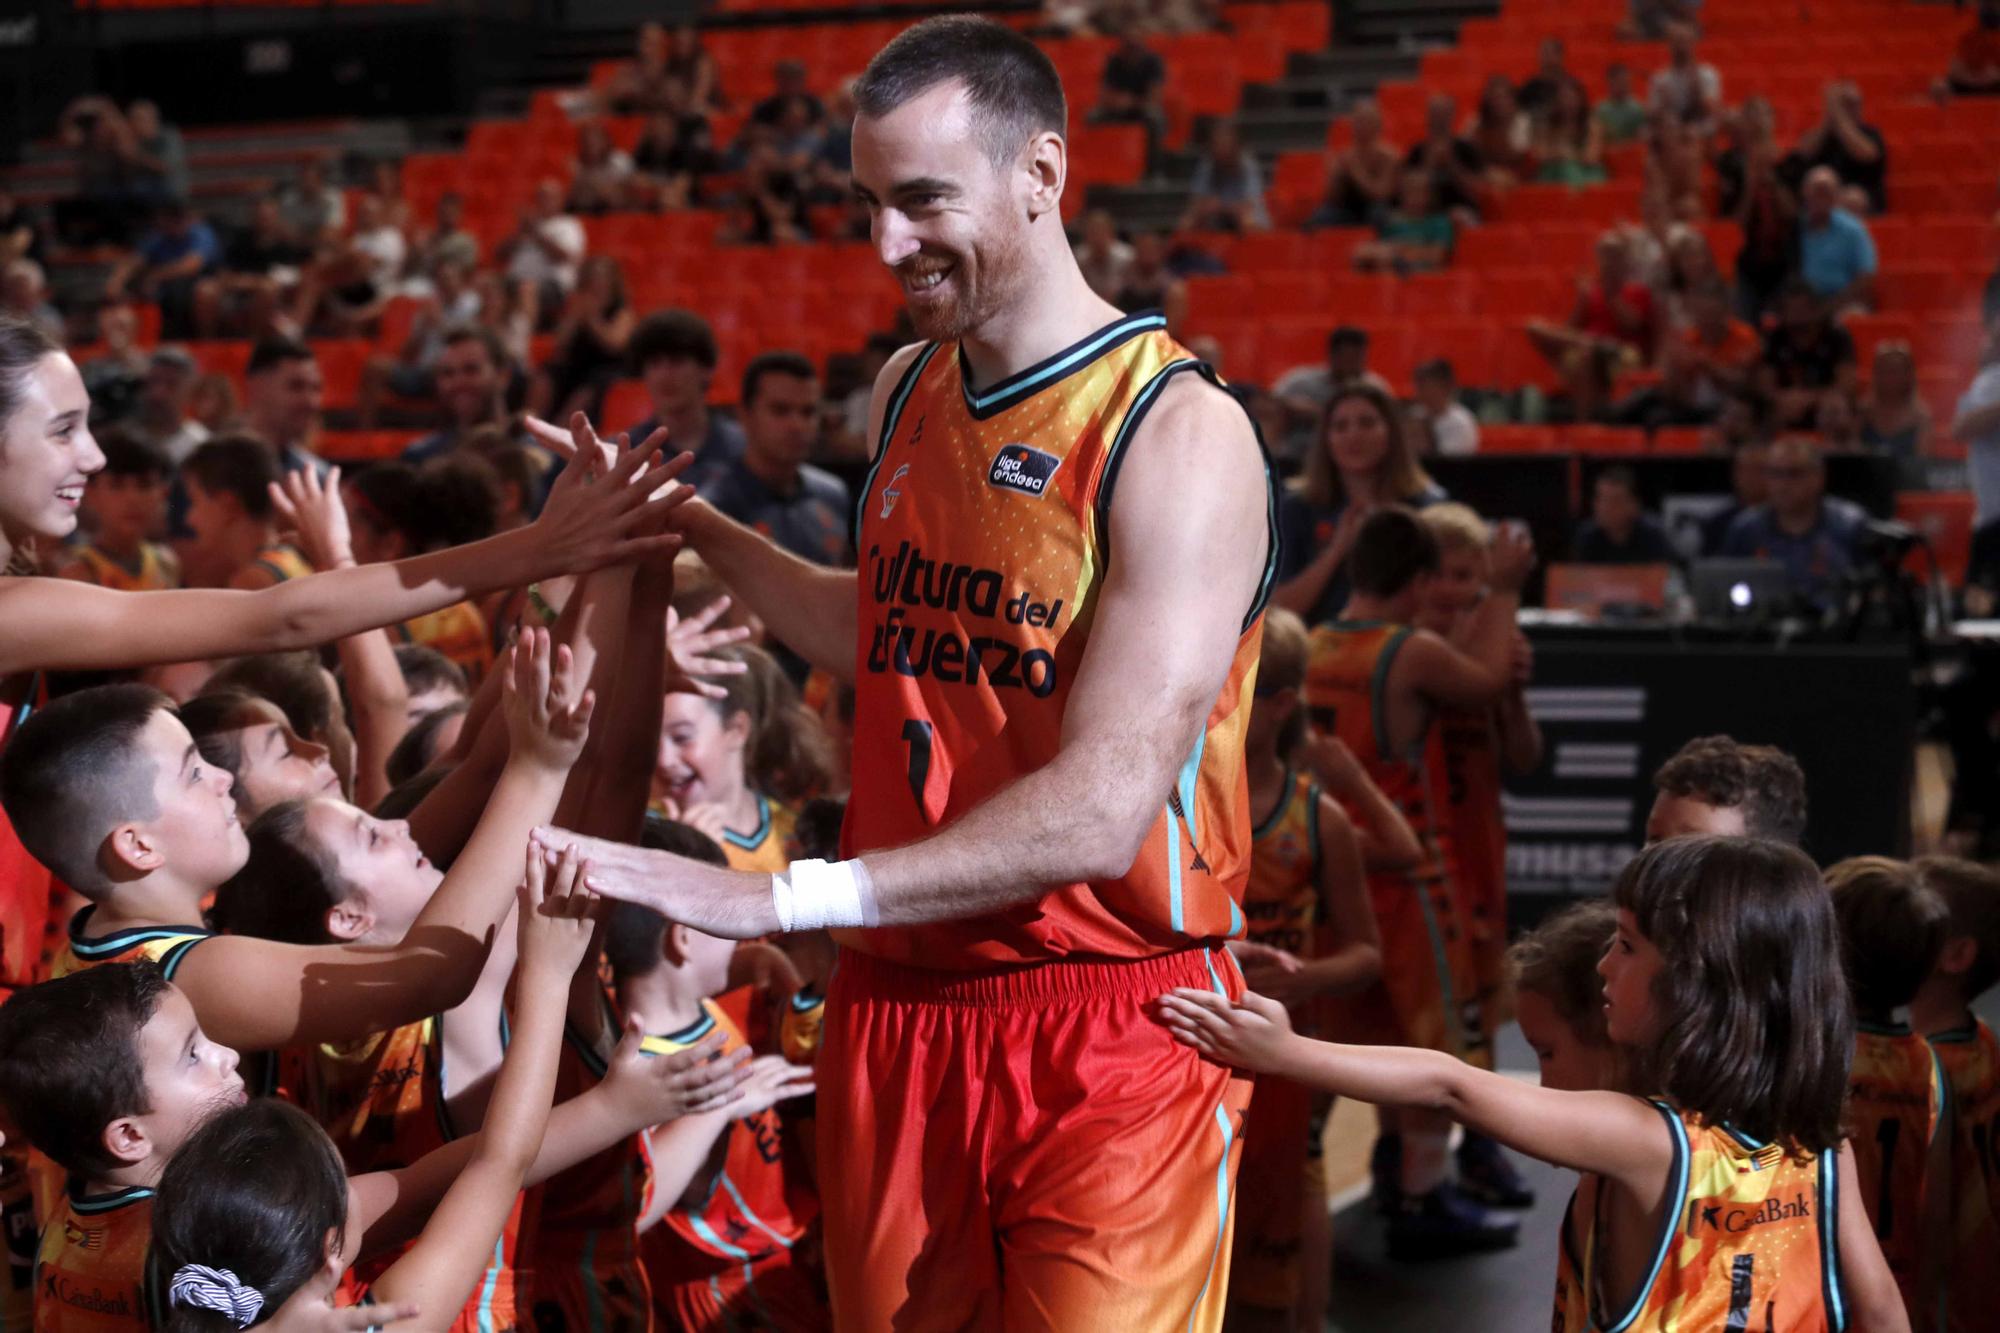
<point x="1066" y="544"/>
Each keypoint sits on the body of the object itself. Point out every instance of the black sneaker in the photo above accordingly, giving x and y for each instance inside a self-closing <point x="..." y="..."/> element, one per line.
<point x="1444" y="1224"/>
<point x="1385" y="1173"/>
<point x="1485" y="1175"/>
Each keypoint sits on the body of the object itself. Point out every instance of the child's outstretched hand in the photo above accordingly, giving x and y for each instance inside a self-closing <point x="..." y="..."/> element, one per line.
<point x="310" y="1312"/>
<point x="689" y="645"/>
<point x="557" y="921"/>
<point x="1253" y="1033"/>
<point x="605" y="513"/>
<point x="314" y="517"/>
<point x="773" y="1079"/>
<point x="548" y="709"/>
<point x="656" y="1089"/>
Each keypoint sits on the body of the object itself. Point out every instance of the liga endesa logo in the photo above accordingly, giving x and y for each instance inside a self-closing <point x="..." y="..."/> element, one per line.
<point x="1019" y="468"/>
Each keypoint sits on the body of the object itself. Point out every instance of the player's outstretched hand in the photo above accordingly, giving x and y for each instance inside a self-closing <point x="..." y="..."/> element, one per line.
<point x="604" y="513"/>
<point x="655" y="1089"/>
<point x="1252" y="1033"/>
<point x="546" y="705"/>
<point x="730" y="904"/>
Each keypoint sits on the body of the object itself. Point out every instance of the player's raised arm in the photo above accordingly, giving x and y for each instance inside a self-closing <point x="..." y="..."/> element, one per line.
<point x="590" y="521"/>
<point x="1160" y="648"/>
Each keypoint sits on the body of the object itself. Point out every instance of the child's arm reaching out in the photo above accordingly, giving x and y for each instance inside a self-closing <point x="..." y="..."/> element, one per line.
<point x="1616" y="1136"/>
<point x="681" y="1150"/>
<point x="439" y="1271"/>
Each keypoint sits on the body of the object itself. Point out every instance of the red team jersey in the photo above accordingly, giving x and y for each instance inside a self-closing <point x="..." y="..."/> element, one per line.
<point x="984" y="534"/>
<point x="1896" y="1100"/>
<point x="27" y="892"/>
<point x="1971" y="1060"/>
<point x="1748" y="1241"/>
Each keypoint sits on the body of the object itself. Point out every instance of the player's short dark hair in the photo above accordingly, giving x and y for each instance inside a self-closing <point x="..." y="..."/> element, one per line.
<point x="633" y="934"/>
<point x="270" y="353"/>
<point x="1557" y="960"/>
<point x="293" y="680"/>
<point x="419" y="746"/>
<point x="126" y="455"/>
<point x="70" y="1063"/>
<point x="1892" y="928"/>
<point x="1393" y="547"/>
<point x="73" y="772"/>
<point x="466" y="332"/>
<point x="425" y="669"/>
<point x="672" y="335"/>
<point x="237" y="465"/>
<point x="1013" y="88"/>
<point x="1972" y="892"/>
<point x="791" y="365"/>
<point x="1762" y="781"/>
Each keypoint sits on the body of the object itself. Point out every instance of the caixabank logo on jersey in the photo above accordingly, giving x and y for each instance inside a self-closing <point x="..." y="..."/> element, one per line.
<point x="1019" y="468"/>
<point x="909" y="580"/>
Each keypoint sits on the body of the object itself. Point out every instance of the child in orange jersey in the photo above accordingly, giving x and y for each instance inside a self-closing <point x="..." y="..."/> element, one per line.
<point x="1892" y="929"/>
<point x="1469" y="749"/>
<point x="1967" y="967"/>
<point x="128" y="500"/>
<point x="256" y="1208"/>
<point x="1306" y="871"/>
<point x="1727" y="1199"/>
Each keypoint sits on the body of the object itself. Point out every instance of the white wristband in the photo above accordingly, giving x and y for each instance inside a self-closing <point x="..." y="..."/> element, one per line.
<point x="813" y="895"/>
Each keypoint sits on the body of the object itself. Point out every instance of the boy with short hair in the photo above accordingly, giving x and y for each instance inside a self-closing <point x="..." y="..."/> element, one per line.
<point x="1892" y="929"/>
<point x="235" y="542"/>
<point x="1378" y="682"/>
<point x="1967" y="967"/>
<point x="1717" y="785"/>
<point x="127" y="503"/>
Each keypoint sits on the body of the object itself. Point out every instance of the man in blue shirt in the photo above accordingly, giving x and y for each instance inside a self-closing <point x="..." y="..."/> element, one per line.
<point x="771" y="487"/>
<point x="1813" y="535"/>
<point x="674" y="353"/>
<point x="165" y="264"/>
<point x="1836" y="253"/>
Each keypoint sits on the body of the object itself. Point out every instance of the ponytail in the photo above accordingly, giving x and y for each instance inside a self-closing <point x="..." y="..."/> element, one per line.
<point x="787" y="754"/>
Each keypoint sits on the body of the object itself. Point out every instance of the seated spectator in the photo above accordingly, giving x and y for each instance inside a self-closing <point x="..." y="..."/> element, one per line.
<point x="244" y="294"/>
<point x="1227" y="192"/>
<point x="285" y="392"/>
<point x="24" y="294"/>
<point x="542" y="255"/>
<point x="163" y="418"/>
<point x="165" y="266"/>
<point x="1501" y="134"/>
<point x="215" y="406"/>
<point x="1748" y="487"/>
<point x="1614" y="326"/>
<point x="1620" y="117"/>
<point x="471" y="377"/>
<point x="1619" y="531"/>
<point x="847" y="443"/>
<point x="1688" y="266"/>
<point x="693" y="64"/>
<point x="1568" y="144"/>
<point x="449" y="241"/>
<point x="125" y="502"/>
<point x="1103" y="258"/>
<point x="313" y="211"/>
<point x="385" y="187"/>
<point x="1674" y="165"/>
<point x="590" y="342"/>
<point x="792" y="96"/>
<point x="1976" y="424"/>
<point x="1306" y="390"/>
<point x="1687" y="88"/>
<point x="1975" y="61"/>
<point x="156" y="156"/>
<point x="602" y="177"/>
<point x="674" y="354"/>
<point x="671" y="158"/>
<point x="1361" y="179"/>
<point x="234" y="533"/>
<point x="1537" y="96"/>
<point x="1721" y="350"/>
<point x="1149" y="282"/>
<point x="829" y="172"/>
<point x="113" y="376"/>
<point x="108" y="201"/>
<point x="1804" y="355"/>
<point x="1837" y="422"/>
<point x="1847" y="145"/>
<point x="1814" y="535"/>
<point x="1894" y="419"/>
<point x="411" y="372"/>
<point x="647" y="84"/>
<point x="1748" y="417"/>
<point x="772" y="207"/>
<point x="1447" y="428"/>
<point x="1651" y="20"/>
<point x="1765" y="208"/>
<point x="1415" y="237"/>
<point x="1362" y="460"/>
<point x="1836" y="253"/>
<point x="1128" y="91"/>
<point x="346" y="291"/>
<point x="770" y="486"/>
<point x="1457" y="170"/>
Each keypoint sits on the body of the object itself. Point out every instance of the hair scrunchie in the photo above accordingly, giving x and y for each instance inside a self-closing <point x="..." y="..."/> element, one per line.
<point x="216" y="1289"/>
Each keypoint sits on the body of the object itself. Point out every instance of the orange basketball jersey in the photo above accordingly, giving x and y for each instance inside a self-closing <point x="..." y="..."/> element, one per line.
<point x="1282" y="901"/>
<point x="1896" y="1098"/>
<point x="1971" y="1060"/>
<point x="771" y="847"/>
<point x="458" y="631"/>
<point x="156" y="569"/>
<point x="984" y="536"/>
<point x="26" y="887"/>
<point x="90" y="1275"/>
<point x="1748" y="1240"/>
<point x="165" y="945"/>
<point x="282" y="562"/>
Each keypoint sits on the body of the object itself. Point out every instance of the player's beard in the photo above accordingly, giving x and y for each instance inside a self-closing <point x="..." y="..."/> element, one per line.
<point x="973" y="291"/>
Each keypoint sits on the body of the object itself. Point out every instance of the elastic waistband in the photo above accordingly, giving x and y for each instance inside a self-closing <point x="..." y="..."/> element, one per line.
<point x="865" y="976"/>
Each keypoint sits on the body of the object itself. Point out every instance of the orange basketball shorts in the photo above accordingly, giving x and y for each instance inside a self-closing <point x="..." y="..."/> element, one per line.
<point x="1027" y="1149"/>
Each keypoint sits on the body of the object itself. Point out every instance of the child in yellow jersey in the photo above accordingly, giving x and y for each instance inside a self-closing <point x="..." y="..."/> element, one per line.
<point x="1967" y="967"/>
<point x="1305" y="870"/>
<point x="1726" y="1198"/>
<point x="127" y="502"/>
<point x="1377" y="682"/>
<point x="1892" y="929"/>
<point x="726" y="1214"/>
<point x="233" y="519"/>
<point x="1469" y="749"/>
